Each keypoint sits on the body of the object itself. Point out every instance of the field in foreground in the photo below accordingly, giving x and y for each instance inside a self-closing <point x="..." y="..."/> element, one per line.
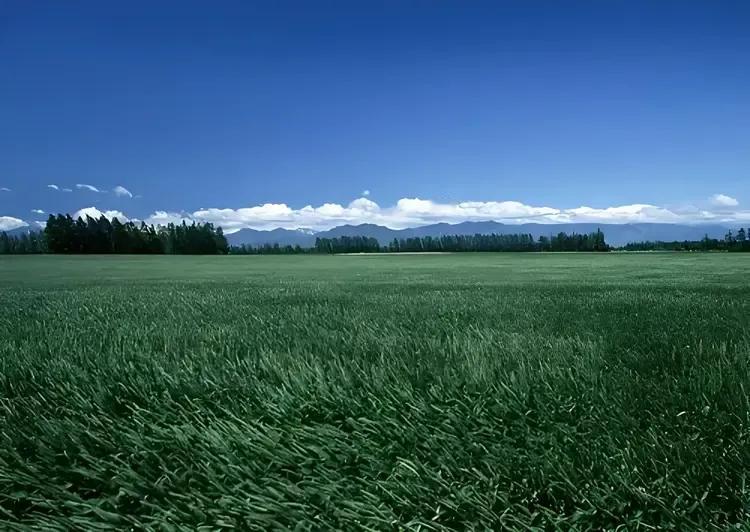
<point x="382" y="392"/>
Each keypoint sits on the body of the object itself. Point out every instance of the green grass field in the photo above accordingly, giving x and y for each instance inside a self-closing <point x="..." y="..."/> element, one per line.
<point x="570" y="391"/>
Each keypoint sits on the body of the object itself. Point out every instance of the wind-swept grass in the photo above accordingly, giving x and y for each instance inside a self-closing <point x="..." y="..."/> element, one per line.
<point x="416" y="392"/>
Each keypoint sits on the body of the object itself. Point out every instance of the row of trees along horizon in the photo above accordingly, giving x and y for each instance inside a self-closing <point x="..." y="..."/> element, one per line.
<point x="447" y="243"/>
<point x="739" y="241"/>
<point x="63" y="234"/>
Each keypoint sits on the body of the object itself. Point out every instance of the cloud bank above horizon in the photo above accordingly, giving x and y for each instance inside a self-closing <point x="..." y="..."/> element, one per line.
<point x="412" y="212"/>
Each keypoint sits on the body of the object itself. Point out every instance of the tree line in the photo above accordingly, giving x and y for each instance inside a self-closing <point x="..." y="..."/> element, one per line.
<point x="447" y="243"/>
<point x="269" y="249"/>
<point x="731" y="242"/>
<point x="501" y="242"/>
<point x="63" y="234"/>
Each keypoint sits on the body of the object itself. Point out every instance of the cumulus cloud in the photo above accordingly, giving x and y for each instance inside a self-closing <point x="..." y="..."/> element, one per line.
<point x="638" y="212"/>
<point x="8" y="223"/>
<point x="412" y="212"/>
<point x="164" y="218"/>
<point x="121" y="191"/>
<point x="416" y="209"/>
<point x="365" y="192"/>
<point x="37" y="211"/>
<point x="273" y="215"/>
<point x="53" y="187"/>
<point x="4" y="189"/>
<point x="722" y="200"/>
<point x="92" y="188"/>
<point x="96" y="213"/>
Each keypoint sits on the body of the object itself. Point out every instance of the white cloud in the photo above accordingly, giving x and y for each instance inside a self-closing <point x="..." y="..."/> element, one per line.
<point x="53" y="187"/>
<point x="96" y="214"/>
<point x="8" y="223"/>
<point x="418" y="210"/>
<point x="164" y="218"/>
<point x="722" y="200"/>
<point x="622" y="214"/>
<point x="121" y="191"/>
<point x="365" y="192"/>
<point x="92" y="188"/>
<point x="273" y="215"/>
<point x="4" y="189"/>
<point x="37" y="211"/>
<point x="67" y="190"/>
<point x="364" y="204"/>
<point x="412" y="212"/>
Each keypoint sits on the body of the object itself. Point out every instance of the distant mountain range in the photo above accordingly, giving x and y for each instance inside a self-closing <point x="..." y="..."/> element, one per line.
<point x="615" y="234"/>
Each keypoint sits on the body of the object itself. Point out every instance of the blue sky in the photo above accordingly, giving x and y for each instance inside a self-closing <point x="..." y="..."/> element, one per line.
<point x="244" y="113"/>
